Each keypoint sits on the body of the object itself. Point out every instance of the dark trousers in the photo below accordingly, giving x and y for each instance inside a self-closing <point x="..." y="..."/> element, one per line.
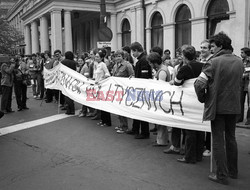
<point x="42" y="87"/>
<point x="21" y="94"/>
<point x="144" y="126"/>
<point x="194" y="145"/>
<point x="225" y="149"/>
<point x="62" y="97"/>
<point x="49" y="95"/>
<point x="70" y="105"/>
<point x="208" y="141"/>
<point x="106" y="118"/>
<point x="6" y="98"/>
<point x="242" y="102"/>
<point x="176" y="137"/>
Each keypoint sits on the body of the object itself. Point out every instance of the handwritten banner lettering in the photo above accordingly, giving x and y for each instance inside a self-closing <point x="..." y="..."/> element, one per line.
<point x="154" y="101"/>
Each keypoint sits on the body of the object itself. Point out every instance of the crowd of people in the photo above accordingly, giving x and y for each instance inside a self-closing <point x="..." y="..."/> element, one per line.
<point x="222" y="85"/>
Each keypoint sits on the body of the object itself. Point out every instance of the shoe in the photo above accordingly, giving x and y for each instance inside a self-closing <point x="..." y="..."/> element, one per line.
<point x="171" y="150"/>
<point x="118" y="128"/>
<point x="10" y="111"/>
<point x="25" y="108"/>
<point x="70" y="113"/>
<point x="82" y="115"/>
<point x="95" y="118"/>
<point x="120" y="131"/>
<point x="48" y="101"/>
<point x="34" y="96"/>
<point x="153" y="130"/>
<point x="233" y="176"/>
<point x="159" y="145"/>
<point x="213" y="177"/>
<point x="247" y="123"/>
<point x="183" y="160"/>
<point x="63" y="108"/>
<point x="131" y="132"/>
<point x="99" y="123"/>
<point x="90" y="115"/>
<point x="207" y="153"/>
<point x="19" y="109"/>
<point x="141" y="136"/>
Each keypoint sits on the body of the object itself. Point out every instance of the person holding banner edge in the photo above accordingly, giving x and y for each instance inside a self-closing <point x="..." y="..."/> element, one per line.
<point x="194" y="140"/>
<point x="218" y="86"/>
<point x="142" y="70"/>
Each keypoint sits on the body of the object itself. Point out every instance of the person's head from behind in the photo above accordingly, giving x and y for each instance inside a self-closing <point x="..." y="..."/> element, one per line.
<point x="245" y="52"/>
<point x="154" y="60"/>
<point x="220" y="42"/>
<point x="188" y="53"/>
<point x="126" y="49"/>
<point x="136" y="49"/>
<point x="69" y="55"/>
<point x="157" y="49"/>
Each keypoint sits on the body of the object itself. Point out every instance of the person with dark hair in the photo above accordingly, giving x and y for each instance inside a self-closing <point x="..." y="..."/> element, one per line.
<point x="20" y="88"/>
<point x="7" y="85"/>
<point x="48" y="64"/>
<point x="127" y="55"/>
<point x="122" y="68"/>
<point x="142" y="70"/>
<point x="245" y="55"/>
<point x="194" y="140"/>
<point x="163" y="74"/>
<point x="40" y="81"/>
<point x="70" y="63"/>
<point x="100" y="73"/>
<point x="218" y="86"/>
<point x="33" y="71"/>
<point x="157" y="49"/>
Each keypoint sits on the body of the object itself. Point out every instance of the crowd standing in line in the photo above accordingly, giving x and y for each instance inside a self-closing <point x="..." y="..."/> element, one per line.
<point x="222" y="93"/>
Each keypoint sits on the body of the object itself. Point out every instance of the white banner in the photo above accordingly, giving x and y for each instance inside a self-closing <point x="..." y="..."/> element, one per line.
<point x="149" y="100"/>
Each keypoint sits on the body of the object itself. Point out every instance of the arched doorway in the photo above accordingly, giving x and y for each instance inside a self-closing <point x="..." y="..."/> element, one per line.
<point x="183" y="26"/>
<point x="126" y="33"/>
<point x="217" y="11"/>
<point x="157" y="30"/>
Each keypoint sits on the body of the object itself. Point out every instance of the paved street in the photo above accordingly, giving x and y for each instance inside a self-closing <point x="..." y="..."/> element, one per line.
<point x="75" y="154"/>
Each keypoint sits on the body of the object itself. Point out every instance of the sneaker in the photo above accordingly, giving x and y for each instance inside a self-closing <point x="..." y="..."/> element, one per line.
<point x="34" y="96"/>
<point x="120" y="131"/>
<point x="171" y="150"/>
<point x="117" y="128"/>
<point x="207" y="153"/>
<point x="81" y="115"/>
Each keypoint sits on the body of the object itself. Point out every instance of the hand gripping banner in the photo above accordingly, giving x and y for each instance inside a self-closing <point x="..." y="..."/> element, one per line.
<point x="148" y="100"/>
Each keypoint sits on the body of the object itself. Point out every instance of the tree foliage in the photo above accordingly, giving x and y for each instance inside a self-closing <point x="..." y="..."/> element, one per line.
<point x="9" y="37"/>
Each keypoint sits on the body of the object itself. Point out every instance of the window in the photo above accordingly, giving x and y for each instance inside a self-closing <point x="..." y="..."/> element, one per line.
<point x="126" y="33"/>
<point x="183" y="26"/>
<point x="217" y="11"/>
<point x="157" y="30"/>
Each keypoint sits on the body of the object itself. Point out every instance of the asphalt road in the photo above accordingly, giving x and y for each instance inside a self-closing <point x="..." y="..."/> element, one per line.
<point x="76" y="154"/>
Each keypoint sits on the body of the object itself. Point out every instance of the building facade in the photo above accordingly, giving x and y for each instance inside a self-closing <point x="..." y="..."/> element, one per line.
<point x="73" y="24"/>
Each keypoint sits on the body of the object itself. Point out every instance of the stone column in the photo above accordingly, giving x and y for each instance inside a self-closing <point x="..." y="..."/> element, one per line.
<point x="27" y="39"/>
<point x="68" y="30"/>
<point x="169" y="38"/>
<point x="56" y="30"/>
<point x="119" y="40"/>
<point x="139" y="26"/>
<point x="44" y="34"/>
<point x="148" y="39"/>
<point x="34" y="37"/>
<point x="114" y="31"/>
<point x="133" y="25"/>
<point x="198" y="31"/>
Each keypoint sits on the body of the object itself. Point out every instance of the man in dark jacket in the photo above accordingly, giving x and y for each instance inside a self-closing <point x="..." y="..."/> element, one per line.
<point x="142" y="70"/>
<point x="69" y="62"/>
<point x="219" y="87"/>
